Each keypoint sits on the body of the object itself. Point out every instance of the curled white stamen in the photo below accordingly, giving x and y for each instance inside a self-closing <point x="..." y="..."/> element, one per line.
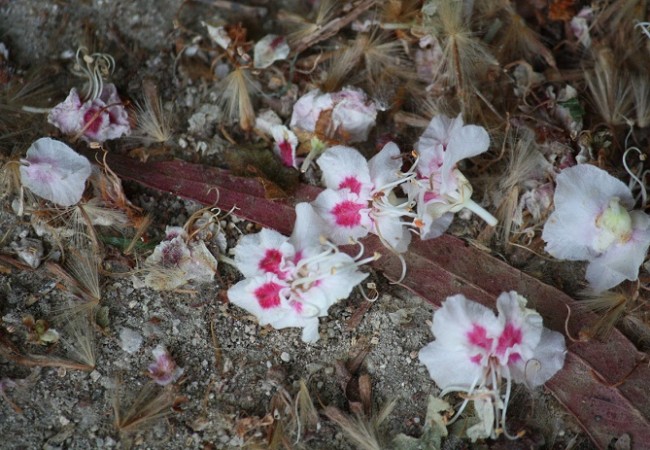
<point x="635" y="180"/>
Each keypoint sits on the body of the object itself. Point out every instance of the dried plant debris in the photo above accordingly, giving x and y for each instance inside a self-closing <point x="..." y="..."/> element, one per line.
<point x="148" y="406"/>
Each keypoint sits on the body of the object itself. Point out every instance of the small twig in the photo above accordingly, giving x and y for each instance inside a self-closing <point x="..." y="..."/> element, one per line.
<point x="330" y="29"/>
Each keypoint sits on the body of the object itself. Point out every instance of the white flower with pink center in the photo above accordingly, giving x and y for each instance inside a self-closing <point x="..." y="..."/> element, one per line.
<point x="292" y="281"/>
<point x="594" y="221"/>
<point x="359" y="198"/>
<point x="439" y="187"/>
<point x="474" y="350"/>
<point x="98" y="120"/>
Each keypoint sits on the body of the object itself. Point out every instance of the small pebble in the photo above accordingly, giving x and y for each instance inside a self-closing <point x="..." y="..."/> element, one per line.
<point x="285" y="357"/>
<point x="95" y="375"/>
<point x="130" y="340"/>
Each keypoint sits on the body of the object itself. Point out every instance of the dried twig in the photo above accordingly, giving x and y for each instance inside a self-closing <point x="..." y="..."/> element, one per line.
<point x="333" y="27"/>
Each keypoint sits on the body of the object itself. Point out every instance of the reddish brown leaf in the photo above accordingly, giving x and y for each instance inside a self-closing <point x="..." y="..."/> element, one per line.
<point x="603" y="384"/>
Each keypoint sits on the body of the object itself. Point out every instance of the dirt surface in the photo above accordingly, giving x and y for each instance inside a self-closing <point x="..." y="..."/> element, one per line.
<point x="236" y="374"/>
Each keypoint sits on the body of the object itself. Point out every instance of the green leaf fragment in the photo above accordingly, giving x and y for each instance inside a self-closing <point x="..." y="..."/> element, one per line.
<point x="434" y="429"/>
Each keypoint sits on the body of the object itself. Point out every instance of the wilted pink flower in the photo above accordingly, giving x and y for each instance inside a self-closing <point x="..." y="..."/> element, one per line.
<point x="55" y="172"/>
<point x="359" y="198"/>
<point x="580" y="24"/>
<point x="439" y="187"/>
<point x="98" y="120"/>
<point x="474" y="350"/>
<point x="164" y="369"/>
<point x="352" y="114"/>
<point x="594" y="221"/>
<point x="291" y="282"/>
<point x="178" y="260"/>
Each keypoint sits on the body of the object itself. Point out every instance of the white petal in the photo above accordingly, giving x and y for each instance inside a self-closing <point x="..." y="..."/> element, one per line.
<point x="353" y="114"/>
<point x="55" y="172"/>
<point x="68" y="116"/>
<point x="434" y="228"/>
<point x="438" y="132"/>
<point x="344" y="167"/>
<point x="393" y="232"/>
<point x="307" y="109"/>
<point x="269" y="49"/>
<point x="202" y="264"/>
<point x="546" y="362"/>
<point x="267" y="119"/>
<point x="342" y="277"/>
<point x="466" y="142"/>
<point x="449" y="367"/>
<point x="266" y="251"/>
<point x="384" y="167"/>
<point x="308" y="228"/>
<point x="621" y="261"/>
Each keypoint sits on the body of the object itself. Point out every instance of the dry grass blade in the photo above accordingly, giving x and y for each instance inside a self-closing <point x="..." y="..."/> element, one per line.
<point x="79" y="337"/>
<point x="465" y="58"/>
<point x="610" y="89"/>
<point x="641" y="93"/>
<point x="154" y="124"/>
<point x="610" y="305"/>
<point x="150" y="404"/>
<point x="365" y="433"/>
<point x="9" y="351"/>
<point x="303" y="28"/>
<point x="516" y="40"/>
<point x="525" y="162"/>
<point x="80" y="277"/>
<point x="235" y="98"/>
<point x="306" y="416"/>
<point x="20" y="98"/>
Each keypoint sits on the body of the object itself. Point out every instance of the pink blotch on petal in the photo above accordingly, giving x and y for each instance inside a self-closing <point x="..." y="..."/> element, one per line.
<point x="510" y="337"/>
<point x="476" y="359"/>
<point x="478" y="336"/>
<point x="286" y="153"/>
<point x="92" y="120"/>
<point x="351" y="183"/>
<point x="268" y="295"/>
<point x="271" y="262"/>
<point x="347" y="213"/>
